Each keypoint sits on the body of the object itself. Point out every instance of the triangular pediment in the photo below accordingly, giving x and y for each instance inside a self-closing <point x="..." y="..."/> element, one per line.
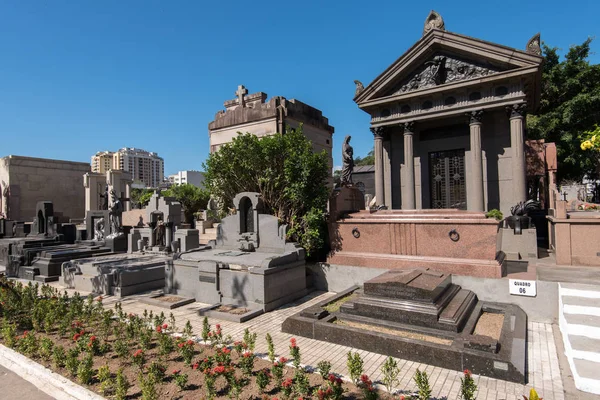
<point x="443" y="58"/>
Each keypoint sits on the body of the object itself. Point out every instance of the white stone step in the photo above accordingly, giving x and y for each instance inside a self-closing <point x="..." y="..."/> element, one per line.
<point x="587" y="376"/>
<point x="210" y="231"/>
<point x="579" y="321"/>
<point x="585" y="348"/>
<point x="216" y="225"/>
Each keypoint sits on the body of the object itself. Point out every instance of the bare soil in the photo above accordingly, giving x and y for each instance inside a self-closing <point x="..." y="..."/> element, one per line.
<point x="335" y="306"/>
<point x="405" y="334"/>
<point x="168" y="299"/>
<point x="489" y="324"/>
<point x="232" y="309"/>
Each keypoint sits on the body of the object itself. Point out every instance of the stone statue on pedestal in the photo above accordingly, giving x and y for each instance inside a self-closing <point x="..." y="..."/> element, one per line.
<point x="159" y="230"/>
<point x="105" y="197"/>
<point x="348" y="162"/>
<point x="115" y="214"/>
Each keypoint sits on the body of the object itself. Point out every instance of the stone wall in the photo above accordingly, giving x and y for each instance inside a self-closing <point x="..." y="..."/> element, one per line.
<point x="37" y="179"/>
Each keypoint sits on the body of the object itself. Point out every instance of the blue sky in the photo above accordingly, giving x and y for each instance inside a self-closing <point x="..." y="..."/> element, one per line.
<point x="77" y="77"/>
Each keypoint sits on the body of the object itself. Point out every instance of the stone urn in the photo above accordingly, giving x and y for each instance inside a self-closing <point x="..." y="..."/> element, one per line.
<point x="517" y="223"/>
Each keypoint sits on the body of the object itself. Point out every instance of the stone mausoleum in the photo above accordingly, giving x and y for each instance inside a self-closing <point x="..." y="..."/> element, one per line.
<point x="448" y="122"/>
<point x="252" y="113"/>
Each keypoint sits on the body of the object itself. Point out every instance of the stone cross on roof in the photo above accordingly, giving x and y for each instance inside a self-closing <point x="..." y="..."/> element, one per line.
<point x="240" y="94"/>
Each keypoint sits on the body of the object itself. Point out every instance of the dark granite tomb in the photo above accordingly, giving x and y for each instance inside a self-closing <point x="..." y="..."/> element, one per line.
<point x="420" y="315"/>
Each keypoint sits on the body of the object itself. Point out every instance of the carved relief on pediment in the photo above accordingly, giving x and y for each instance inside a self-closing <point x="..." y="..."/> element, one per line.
<point x="440" y="70"/>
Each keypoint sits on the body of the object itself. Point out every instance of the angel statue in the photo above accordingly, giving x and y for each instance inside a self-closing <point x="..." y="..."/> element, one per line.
<point x="348" y="162"/>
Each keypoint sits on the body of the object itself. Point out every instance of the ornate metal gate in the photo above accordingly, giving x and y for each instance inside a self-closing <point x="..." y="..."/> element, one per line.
<point x="447" y="179"/>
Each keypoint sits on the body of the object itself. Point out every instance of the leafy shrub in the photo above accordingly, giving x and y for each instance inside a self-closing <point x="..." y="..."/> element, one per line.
<point x="324" y="368"/>
<point x="270" y="348"/>
<point x="284" y="169"/>
<point x="422" y="381"/>
<point x="390" y="372"/>
<point x="467" y="386"/>
<point x="495" y="213"/>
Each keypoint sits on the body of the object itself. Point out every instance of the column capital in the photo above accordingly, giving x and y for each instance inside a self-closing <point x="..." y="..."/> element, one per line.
<point x="379" y="132"/>
<point x="475" y="117"/>
<point x="516" y="110"/>
<point x="409" y="127"/>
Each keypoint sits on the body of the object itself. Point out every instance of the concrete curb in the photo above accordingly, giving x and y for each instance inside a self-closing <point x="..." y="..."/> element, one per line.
<point x="44" y="379"/>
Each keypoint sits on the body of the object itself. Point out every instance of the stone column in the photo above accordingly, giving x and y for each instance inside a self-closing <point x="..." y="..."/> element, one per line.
<point x="475" y="201"/>
<point x="379" y="185"/>
<point x="387" y="171"/>
<point x="408" y="200"/>
<point x="517" y="142"/>
<point x="168" y="234"/>
<point x="152" y="238"/>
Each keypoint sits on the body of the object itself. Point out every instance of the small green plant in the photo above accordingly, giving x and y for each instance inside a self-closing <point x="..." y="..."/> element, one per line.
<point x="157" y="370"/>
<point x="324" y="368"/>
<point x="166" y="343"/>
<point x="121" y="386"/>
<point x="121" y="348"/>
<point x="301" y="382"/>
<point x="422" y="382"/>
<point x="295" y="353"/>
<point x="85" y="370"/>
<point x="467" y="386"/>
<point x="277" y="370"/>
<point x="186" y="350"/>
<point x="28" y="344"/>
<point x="335" y="391"/>
<point x="9" y="333"/>
<point x="205" y="329"/>
<point x="287" y="387"/>
<point x="145" y="338"/>
<point x="495" y="213"/>
<point x="72" y="361"/>
<point x="271" y="348"/>
<point x="148" y="386"/>
<point x="250" y="339"/>
<point x="236" y="387"/>
<point x="107" y="383"/>
<point x="355" y="366"/>
<point x="188" y="332"/>
<point x="172" y="322"/>
<point x="209" y="383"/>
<point x="181" y="380"/>
<point x="263" y="378"/>
<point x="58" y="356"/>
<point x="390" y="372"/>
<point x="46" y="347"/>
<point x="139" y="359"/>
<point x="246" y="363"/>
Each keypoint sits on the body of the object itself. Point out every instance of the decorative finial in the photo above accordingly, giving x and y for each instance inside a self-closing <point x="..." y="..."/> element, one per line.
<point x="359" y="88"/>
<point x="433" y="21"/>
<point x="533" y="46"/>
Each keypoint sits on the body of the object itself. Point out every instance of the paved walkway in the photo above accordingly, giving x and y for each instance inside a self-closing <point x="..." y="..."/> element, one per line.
<point x="543" y="374"/>
<point x="13" y="387"/>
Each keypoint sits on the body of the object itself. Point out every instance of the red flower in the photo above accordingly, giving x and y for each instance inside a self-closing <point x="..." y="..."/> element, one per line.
<point x="338" y="381"/>
<point x="25" y="333"/>
<point x="180" y="345"/>
<point x="292" y="342"/>
<point x="138" y="353"/>
<point x="219" y="369"/>
<point x="165" y="326"/>
<point x="331" y="378"/>
<point x="190" y="342"/>
<point x="176" y="371"/>
<point x="365" y="379"/>
<point x="218" y="326"/>
<point x="76" y="337"/>
<point x="287" y="383"/>
<point x="100" y="299"/>
<point x="92" y="338"/>
<point x="195" y="366"/>
<point x="226" y="350"/>
<point x="467" y="372"/>
<point x="247" y="354"/>
<point x="283" y="360"/>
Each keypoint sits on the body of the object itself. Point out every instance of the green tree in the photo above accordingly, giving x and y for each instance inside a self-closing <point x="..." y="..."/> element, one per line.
<point x="569" y="106"/>
<point x="192" y="198"/>
<point x="369" y="159"/>
<point x="139" y="198"/>
<point x="284" y="169"/>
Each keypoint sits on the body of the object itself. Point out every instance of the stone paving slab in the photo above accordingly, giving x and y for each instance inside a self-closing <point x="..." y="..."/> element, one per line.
<point x="543" y="368"/>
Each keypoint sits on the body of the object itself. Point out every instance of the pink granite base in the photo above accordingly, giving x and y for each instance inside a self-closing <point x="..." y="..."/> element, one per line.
<point x="418" y="238"/>
<point x="457" y="266"/>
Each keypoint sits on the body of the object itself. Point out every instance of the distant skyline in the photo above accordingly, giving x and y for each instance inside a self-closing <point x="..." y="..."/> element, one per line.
<point x="81" y="77"/>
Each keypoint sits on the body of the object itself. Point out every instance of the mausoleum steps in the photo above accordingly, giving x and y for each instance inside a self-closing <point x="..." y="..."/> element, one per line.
<point x="446" y="309"/>
<point x="579" y="322"/>
<point x="209" y="234"/>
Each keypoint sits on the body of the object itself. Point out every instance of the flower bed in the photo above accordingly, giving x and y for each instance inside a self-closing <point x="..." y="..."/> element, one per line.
<point x="128" y="356"/>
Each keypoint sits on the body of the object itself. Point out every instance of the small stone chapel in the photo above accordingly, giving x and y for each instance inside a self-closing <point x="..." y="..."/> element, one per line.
<point x="448" y="122"/>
